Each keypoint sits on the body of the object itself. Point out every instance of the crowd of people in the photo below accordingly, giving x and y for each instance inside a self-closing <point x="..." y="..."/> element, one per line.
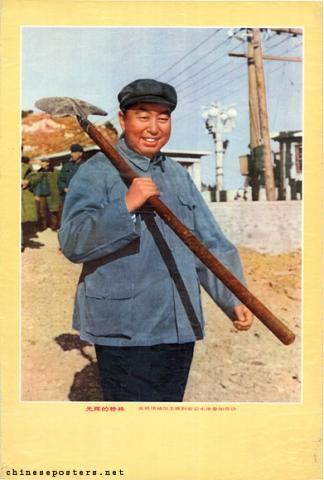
<point x="43" y="192"/>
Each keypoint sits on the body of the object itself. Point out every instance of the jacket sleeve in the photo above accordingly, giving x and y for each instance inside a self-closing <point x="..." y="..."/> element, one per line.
<point x="95" y="222"/>
<point x="34" y="178"/>
<point x="209" y="232"/>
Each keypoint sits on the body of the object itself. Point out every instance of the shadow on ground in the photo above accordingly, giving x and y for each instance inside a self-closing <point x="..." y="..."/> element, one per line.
<point x="86" y="385"/>
<point x="28" y="233"/>
<point x="32" y="244"/>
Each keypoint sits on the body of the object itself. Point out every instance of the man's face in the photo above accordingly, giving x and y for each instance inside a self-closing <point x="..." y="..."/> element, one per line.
<point x="45" y="164"/>
<point x="147" y="127"/>
<point x="75" y="156"/>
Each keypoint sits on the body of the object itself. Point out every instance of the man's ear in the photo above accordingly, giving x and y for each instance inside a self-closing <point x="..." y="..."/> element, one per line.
<point x="121" y="118"/>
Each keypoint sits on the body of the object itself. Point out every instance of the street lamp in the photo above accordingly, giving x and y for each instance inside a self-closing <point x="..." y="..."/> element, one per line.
<point x="219" y="120"/>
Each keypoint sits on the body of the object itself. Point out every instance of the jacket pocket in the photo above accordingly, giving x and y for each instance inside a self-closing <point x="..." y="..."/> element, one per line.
<point x="186" y="210"/>
<point x="108" y="303"/>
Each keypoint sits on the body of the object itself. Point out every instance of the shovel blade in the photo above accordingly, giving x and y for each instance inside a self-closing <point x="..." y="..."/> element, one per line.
<point x="66" y="106"/>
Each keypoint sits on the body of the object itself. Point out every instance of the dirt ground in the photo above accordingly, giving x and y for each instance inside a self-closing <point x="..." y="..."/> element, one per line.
<point x="228" y="366"/>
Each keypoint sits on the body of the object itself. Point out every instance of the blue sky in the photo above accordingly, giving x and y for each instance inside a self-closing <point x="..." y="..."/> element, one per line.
<point x="93" y="64"/>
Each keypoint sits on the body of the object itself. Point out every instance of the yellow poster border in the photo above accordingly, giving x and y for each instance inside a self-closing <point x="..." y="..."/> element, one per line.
<point x="255" y="441"/>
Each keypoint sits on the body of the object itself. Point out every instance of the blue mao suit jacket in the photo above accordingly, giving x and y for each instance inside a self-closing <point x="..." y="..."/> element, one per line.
<point x="133" y="291"/>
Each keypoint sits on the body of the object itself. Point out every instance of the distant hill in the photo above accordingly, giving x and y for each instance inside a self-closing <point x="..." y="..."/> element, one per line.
<point x="43" y="134"/>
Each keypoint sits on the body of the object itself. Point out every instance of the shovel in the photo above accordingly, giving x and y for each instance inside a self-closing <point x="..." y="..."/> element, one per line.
<point x="66" y="106"/>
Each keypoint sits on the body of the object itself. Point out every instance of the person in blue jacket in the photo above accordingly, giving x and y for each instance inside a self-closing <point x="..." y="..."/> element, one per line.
<point x="138" y="297"/>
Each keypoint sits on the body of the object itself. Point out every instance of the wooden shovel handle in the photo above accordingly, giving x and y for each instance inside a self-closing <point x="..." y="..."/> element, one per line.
<point x="279" y="329"/>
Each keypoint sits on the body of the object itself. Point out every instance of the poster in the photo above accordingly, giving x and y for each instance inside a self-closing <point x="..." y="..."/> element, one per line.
<point x="202" y="440"/>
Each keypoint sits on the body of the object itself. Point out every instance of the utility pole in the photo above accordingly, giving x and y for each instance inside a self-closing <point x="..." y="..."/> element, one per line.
<point x="264" y="124"/>
<point x="253" y="99"/>
<point x="259" y="129"/>
<point x="255" y="134"/>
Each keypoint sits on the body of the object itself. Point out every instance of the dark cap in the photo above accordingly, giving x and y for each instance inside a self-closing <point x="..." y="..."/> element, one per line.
<point x="147" y="91"/>
<point x="75" y="147"/>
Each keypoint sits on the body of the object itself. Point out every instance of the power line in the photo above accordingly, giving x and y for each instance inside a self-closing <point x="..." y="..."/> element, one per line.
<point x="213" y="81"/>
<point x="232" y="91"/>
<point x="293" y="47"/>
<point x="279" y="96"/>
<point x="205" y="68"/>
<point x="202" y="85"/>
<point x="188" y="53"/>
<point x="180" y="60"/>
<point x="241" y="76"/>
<point x="195" y="113"/>
<point x="225" y="84"/>
<point x="270" y="37"/>
<point x="286" y="76"/>
<point x="227" y="94"/>
<point x="278" y="68"/>
<point x="212" y="50"/>
<point x="284" y="63"/>
<point x="289" y="49"/>
<point x="280" y="43"/>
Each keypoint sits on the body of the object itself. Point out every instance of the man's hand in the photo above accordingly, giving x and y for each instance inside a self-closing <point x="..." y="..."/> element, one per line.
<point x="24" y="183"/>
<point x="140" y="190"/>
<point x="243" y="317"/>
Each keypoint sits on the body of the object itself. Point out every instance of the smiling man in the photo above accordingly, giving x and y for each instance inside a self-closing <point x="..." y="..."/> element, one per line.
<point x="138" y="298"/>
<point x="148" y="127"/>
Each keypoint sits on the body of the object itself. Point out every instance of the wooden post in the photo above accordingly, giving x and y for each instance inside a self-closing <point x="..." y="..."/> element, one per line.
<point x="282" y="185"/>
<point x="253" y="100"/>
<point x="264" y="126"/>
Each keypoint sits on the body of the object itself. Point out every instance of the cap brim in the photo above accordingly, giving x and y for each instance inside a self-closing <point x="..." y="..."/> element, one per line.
<point x="148" y="99"/>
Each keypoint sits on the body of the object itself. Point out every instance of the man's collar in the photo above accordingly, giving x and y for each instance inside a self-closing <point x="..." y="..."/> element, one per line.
<point x="140" y="161"/>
